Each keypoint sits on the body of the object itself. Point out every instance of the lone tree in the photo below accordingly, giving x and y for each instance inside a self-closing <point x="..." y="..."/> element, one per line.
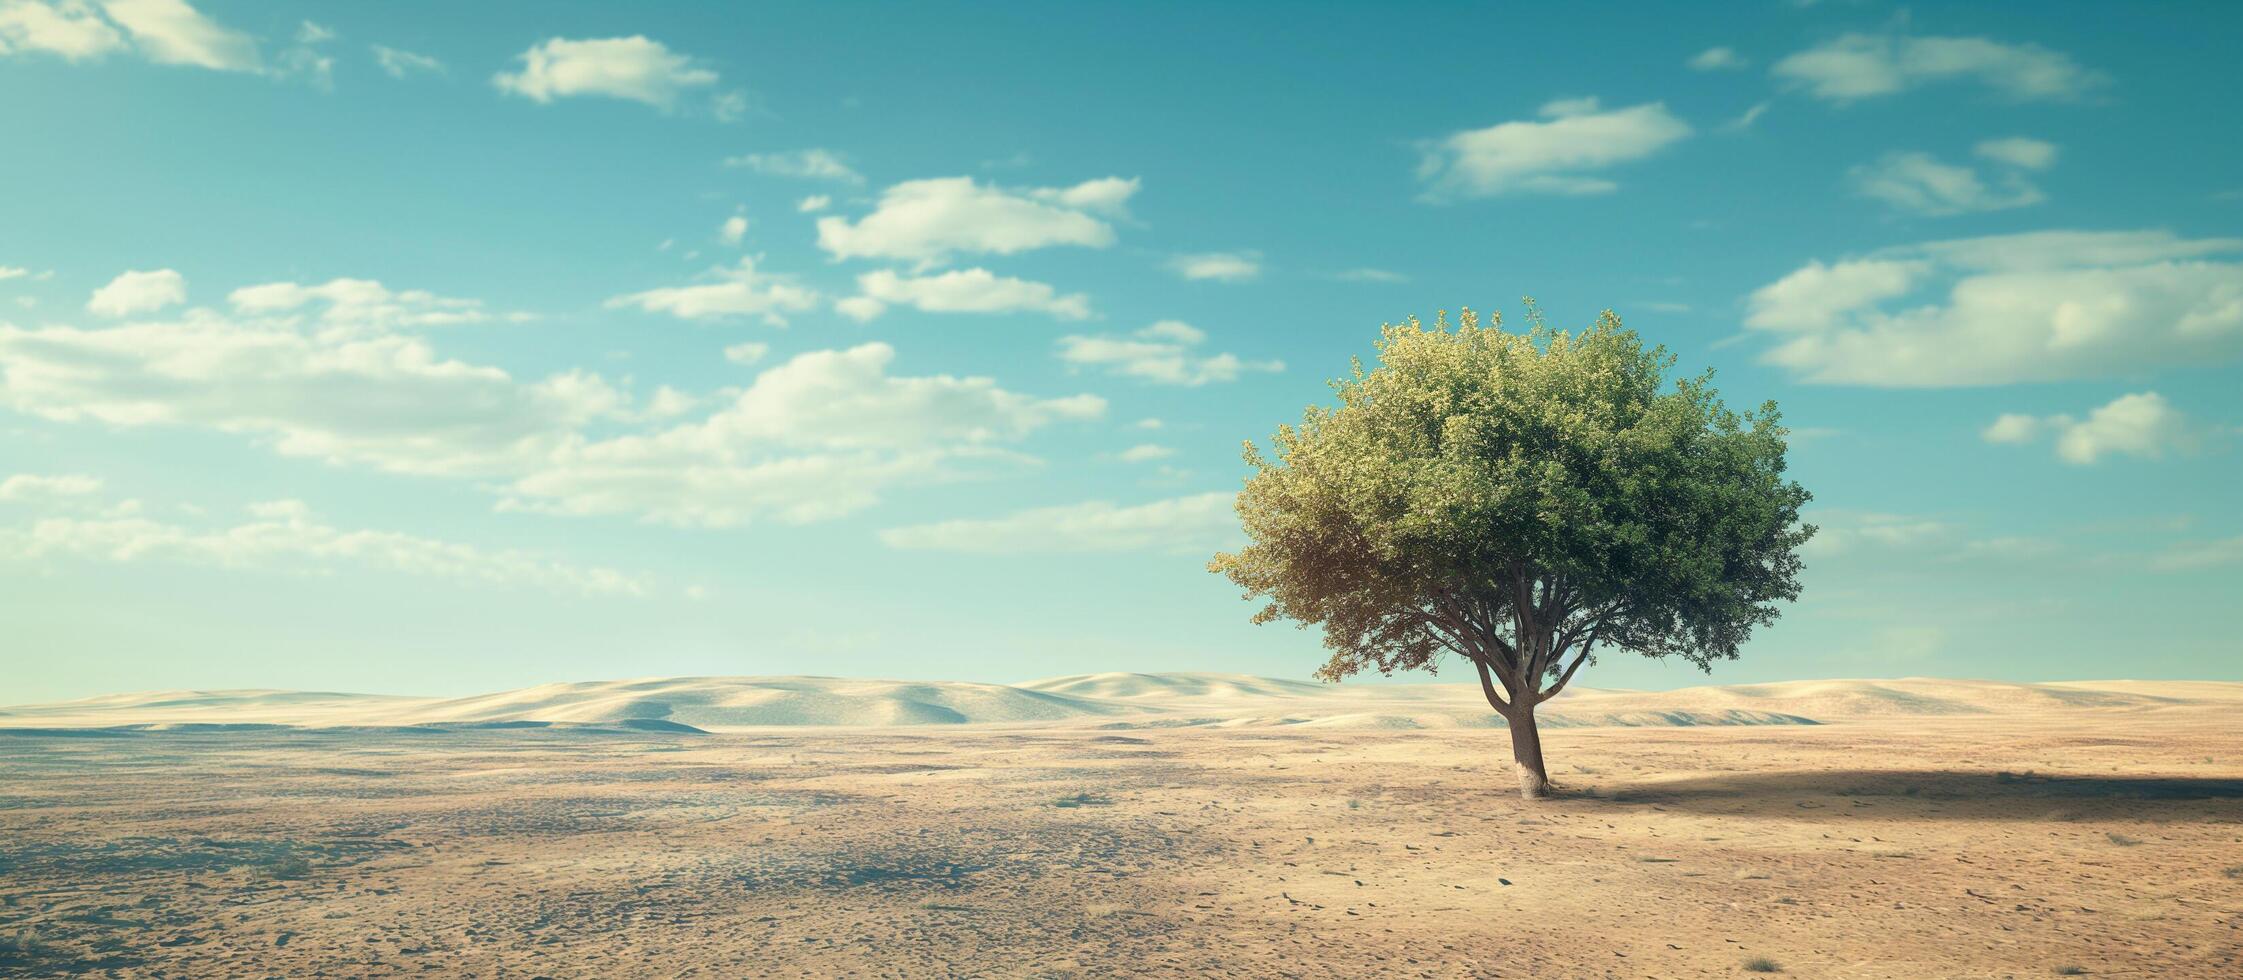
<point x="1523" y="501"/>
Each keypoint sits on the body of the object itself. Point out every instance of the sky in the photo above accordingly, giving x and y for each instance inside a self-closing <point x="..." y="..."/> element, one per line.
<point x="420" y="348"/>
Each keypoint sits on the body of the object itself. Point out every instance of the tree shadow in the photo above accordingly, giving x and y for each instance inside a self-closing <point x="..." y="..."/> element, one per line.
<point x="1918" y="793"/>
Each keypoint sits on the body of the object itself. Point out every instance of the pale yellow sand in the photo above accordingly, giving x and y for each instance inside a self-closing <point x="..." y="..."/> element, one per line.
<point x="2035" y="834"/>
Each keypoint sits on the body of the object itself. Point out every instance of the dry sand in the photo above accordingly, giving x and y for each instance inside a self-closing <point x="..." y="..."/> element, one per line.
<point x="1923" y="829"/>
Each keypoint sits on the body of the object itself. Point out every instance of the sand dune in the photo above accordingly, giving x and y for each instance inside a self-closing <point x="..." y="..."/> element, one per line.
<point x="731" y="702"/>
<point x="1112" y="700"/>
<point x="707" y="703"/>
<point x="1140" y="687"/>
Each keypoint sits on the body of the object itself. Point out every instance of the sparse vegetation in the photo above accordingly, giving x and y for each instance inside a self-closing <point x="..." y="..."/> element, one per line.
<point x="1762" y="964"/>
<point x="2122" y="840"/>
<point x="2071" y="971"/>
<point x="285" y="867"/>
<point x="22" y="947"/>
<point x="1073" y="800"/>
<point x="2234" y="871"/>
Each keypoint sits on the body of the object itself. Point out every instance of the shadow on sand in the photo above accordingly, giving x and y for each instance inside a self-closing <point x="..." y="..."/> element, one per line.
<point x="1914" y="793"/>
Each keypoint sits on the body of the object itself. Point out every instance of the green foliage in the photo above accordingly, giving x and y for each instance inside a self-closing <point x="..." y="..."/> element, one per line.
<point x="1513" y="498"/>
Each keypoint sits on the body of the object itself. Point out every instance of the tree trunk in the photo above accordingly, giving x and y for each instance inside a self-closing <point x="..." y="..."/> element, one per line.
<point x="1526" y="749"/>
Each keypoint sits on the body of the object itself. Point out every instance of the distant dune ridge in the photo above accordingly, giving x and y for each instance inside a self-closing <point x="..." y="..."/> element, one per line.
<point x="1113" y="700"/>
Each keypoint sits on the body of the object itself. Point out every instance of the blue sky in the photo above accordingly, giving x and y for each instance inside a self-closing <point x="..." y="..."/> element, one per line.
<point x="405" y="347"/>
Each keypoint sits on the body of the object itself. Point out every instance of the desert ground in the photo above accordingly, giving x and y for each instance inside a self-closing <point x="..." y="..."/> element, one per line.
<point x="1172" y="825"/>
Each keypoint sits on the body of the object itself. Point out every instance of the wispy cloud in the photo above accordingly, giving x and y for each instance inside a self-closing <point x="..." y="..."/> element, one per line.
<point x="1218" y="266"/>
<point x="284" y="535"/>
<point x="1201" y="522"/>
<point x="928" y="221"/>
<point x="960" y="291"/>
<point x="1163" y="353"/>
<point x="737" y="290"/>
<point x="397" y="63"/>
<point x="635" y="68"/>
<point x="1861" y="66"/>
<point x="1562" y="153"/>
<point x="2039" y="306"/>
<point x="810" y="164"/>
<point x="2143" y="425"/>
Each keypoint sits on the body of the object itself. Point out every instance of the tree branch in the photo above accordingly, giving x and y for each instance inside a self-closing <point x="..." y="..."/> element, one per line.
<point x="1487" y="687"/>
<point x="1563" y="678"/>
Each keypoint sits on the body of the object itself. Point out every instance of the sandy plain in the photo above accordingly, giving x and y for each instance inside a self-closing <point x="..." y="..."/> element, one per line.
<point x="1916" y="831"/>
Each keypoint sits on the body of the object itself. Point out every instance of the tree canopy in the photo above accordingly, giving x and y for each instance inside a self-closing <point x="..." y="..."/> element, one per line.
<point x="1522" y="501"/>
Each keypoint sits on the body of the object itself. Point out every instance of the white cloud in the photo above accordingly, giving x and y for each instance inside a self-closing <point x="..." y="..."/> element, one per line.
<point x="139" y="292"/>
<point x="362" y="304"/>
<point x="1819" y="296"/>
<point x="815" y="202"/>
<point x="37" y="488"/>
<point x="1370" y="275"/>
<point x="810" y="164"/>
<point x="863" y="309"/>
<point x="1717" y="59"/>
<point x="926" y="221"/>
<point x="821" y="435"/>
<point x="668" y="402"/>
<point x="386" y="401"/>
<point x="2012" y="429"/>
<point x="1858" y="66"/>
<point x="734" y="229"/>
<point x="847" y="399"/>
<point x="816" y="437"/>
<point x="1554" y="156"/>
<point x="1745" y="120"/>
<point x="13" y="272"/>
<point x="2040" y="306"/>
<point x="737" y="290"/>
<point x="634" y="68"/>
<point x="70" y="29"/>
<point x="284" y="536"/>
<point x="2011" y="548"/>
<point x="2019" y="151"/>
<point x="169" y="32"/>
<point x="166" y="32"/>
<point x="1146" y="453"/>
<point x="1200" y="522"/>
<point x="747" y="353"/>
<point x="729" y="106"/>
<point x="306" y="59"/>
<point x="2143" y="425"/>
<point x="1841" y="532"/>
<point x="1219" y="266"/>
<point x="1921" y="183"/>
<point x="962" y="291"/>
<point x="2197" y="555"/>
<point x="1850" y="537"/>
<point x="399" y="64"/>
<point x="1163" y="353"/>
